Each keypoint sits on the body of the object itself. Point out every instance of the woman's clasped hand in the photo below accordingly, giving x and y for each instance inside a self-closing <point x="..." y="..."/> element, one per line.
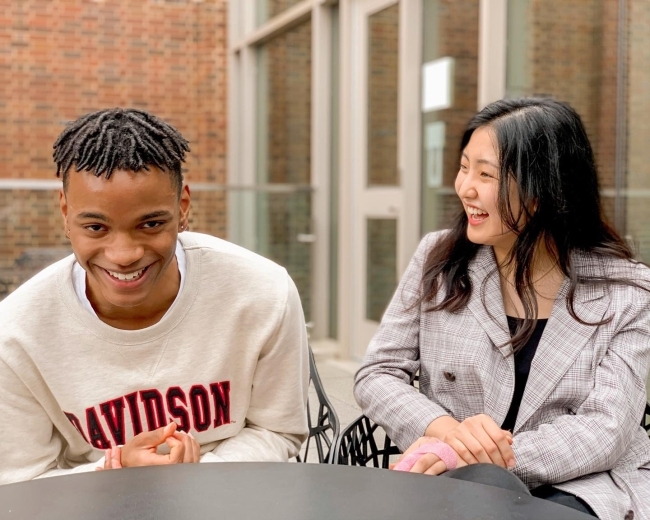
<point x="477" y="439"/>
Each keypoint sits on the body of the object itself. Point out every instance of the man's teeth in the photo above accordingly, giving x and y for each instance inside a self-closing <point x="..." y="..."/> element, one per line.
<point x="476" y="212"/>
<point x="126" y="277"/>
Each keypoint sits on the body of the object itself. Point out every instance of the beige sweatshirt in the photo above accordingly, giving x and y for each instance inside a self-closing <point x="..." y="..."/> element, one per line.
<point x="228" y="362"/>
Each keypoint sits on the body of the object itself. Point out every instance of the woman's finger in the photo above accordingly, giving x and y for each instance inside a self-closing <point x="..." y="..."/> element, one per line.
<point x="490" y="451"/>
<point x="437" y="469"/>
<point x="461" y="450"/>
<point x="503" y="440"/>
<point x="425" y="462"/>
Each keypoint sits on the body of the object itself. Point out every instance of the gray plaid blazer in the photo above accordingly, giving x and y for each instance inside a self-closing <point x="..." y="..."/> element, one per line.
<point x="578" y="424"/>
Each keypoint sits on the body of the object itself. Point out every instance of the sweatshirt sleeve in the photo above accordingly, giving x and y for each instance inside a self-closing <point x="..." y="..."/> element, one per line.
<point x="30" y="445"/>
<point x="382" y="384"/>
<point x="276" y="421"/>
<point x="609" y="417"/>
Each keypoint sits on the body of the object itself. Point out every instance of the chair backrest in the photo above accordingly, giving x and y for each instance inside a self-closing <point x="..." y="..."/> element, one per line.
<point x="324" y="427"/>
<point x="364" y="443"/>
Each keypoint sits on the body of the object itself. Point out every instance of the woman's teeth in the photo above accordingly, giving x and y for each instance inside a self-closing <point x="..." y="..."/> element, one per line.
<point x="475" y="212"/>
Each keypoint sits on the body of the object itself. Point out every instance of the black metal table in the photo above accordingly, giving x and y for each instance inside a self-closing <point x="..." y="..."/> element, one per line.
<point x="259" y="491"/>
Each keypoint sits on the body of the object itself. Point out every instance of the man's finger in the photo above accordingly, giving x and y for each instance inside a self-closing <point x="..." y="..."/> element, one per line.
<point x="116" y="458"/>
<point x="107" y="459"/>
<point x="188" y="451"/>
<point x="154" y="438"/>
<point x="196" y="449"/>
<point x="176" y="450"/>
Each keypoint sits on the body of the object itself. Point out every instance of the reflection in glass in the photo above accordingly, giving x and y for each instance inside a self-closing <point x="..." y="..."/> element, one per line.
<point x="637" y="180"/>
<point x="450" y="30"/>
<point x="267" y="9"/>
<point x="284" y="154"/>
<point x="562" y="48"/>
<point x="383" y="76"/>
<point x="381" y="266"/>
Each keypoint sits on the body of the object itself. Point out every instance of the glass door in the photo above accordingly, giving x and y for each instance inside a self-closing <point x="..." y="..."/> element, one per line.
<point x="376" y="177"/>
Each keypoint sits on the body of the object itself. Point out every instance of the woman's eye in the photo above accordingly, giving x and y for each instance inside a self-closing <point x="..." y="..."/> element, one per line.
<point x="463" y="167"/>
<point x="487" y="175"/>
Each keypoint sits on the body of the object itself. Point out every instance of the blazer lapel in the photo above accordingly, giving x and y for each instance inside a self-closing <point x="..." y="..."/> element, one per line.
<point x="560" y="344"/>
<point x="486" y="304"/>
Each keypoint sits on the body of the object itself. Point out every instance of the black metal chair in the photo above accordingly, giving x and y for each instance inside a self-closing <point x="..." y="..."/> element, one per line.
<point x="646" y="418"/>
<point x="324" y="428"/>
<point x="364" y="443"/>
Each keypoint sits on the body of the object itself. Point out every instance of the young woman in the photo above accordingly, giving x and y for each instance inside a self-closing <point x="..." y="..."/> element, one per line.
<point x="529" y="324"/>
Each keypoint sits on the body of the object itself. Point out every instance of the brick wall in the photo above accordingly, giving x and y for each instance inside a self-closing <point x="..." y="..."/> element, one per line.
<point x="60" y="59"/>
<point x="383" y="83"/>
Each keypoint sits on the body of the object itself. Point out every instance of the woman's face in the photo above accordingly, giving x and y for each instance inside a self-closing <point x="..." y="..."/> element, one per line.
<point x="477" y="185"/>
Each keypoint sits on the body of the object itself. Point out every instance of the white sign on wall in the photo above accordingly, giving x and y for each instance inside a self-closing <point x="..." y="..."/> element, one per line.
<point x="437" y="84"/>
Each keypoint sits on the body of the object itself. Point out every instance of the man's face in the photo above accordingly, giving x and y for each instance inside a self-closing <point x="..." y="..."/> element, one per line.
<point x="123" y="232"/>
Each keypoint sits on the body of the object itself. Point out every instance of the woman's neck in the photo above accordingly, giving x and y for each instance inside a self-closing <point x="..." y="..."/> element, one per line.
<point x="546" y="279"/>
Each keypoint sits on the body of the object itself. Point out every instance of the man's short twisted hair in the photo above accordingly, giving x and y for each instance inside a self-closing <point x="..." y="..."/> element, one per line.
<point x="120" y="139"/>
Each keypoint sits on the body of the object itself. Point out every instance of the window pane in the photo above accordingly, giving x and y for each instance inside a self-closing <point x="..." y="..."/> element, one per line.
<point x="284" y="107"/>
<point x="450" y="30"/>
<point x="567" y="49"/>
<point x="283" y="223"/>
<point x="383" y="76"/>
<point x="381" y="272"/>
<point x="637" y="180"/>
<point x="267" y="9"/>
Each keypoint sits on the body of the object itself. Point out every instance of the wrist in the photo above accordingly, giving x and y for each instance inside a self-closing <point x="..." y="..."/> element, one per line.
<point x="441" y="426"/>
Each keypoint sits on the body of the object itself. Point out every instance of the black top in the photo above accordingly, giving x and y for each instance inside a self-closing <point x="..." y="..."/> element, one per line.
<point x="523" y="359"/>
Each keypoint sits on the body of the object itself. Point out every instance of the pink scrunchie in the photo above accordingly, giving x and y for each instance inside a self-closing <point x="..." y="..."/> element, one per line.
<point x="438" y="448"/>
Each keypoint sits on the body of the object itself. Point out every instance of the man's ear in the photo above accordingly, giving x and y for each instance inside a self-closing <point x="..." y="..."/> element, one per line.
<point x="63" y="204"/>
<point x="185" y="204"/>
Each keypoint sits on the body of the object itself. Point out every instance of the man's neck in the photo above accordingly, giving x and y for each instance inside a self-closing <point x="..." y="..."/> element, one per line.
<point x="141" y="316"/>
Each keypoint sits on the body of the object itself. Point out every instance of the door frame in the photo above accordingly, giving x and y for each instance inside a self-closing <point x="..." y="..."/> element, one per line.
<point x="353" y="340"/>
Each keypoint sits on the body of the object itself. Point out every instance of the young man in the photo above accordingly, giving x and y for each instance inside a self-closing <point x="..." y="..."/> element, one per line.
<point x="146" y="346"/>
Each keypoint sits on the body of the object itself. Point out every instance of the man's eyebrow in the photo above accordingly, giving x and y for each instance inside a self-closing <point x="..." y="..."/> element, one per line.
<point x="93" y="216"/>
<point x="156" y="214"/>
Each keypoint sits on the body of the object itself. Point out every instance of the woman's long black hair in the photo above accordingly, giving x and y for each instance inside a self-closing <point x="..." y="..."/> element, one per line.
<point x="543" y="147"/>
